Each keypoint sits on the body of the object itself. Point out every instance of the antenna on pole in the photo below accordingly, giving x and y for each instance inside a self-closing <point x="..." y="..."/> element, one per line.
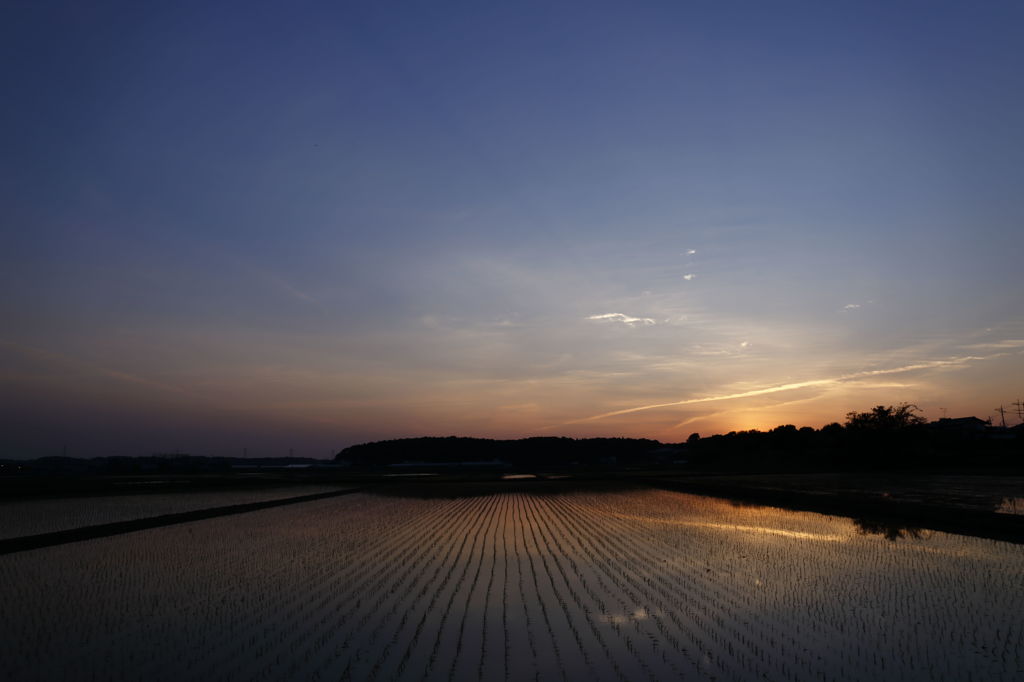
<point x="1020" y="409"/>
<point x="1002" y="413"/>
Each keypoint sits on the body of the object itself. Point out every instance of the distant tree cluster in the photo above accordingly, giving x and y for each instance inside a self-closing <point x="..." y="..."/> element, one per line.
<point x="882" y="418"/>
<point x="884" y="437"/>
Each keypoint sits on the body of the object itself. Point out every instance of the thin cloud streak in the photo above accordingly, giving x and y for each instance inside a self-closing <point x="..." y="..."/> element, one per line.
<point x="691" y="420"/>
<point x="931" y="364"/>
<point x="1009" y="343"/>
<point x="53" y="358"/>
<point x="625" y="319"/>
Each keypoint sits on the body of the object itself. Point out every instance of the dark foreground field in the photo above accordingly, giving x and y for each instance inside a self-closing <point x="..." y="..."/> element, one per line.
<point x="520" y="579"/>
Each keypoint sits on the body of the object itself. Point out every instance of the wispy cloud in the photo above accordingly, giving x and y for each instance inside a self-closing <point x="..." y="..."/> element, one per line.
<point x="689" y="276"/>
<point x="691" y="252"/>
<point x="61" y="360"/>
<point x="625" y="319"/>
<point x="831" y="381"/>
<point x="694" y="419"/>
<point x="851" y="306"/>
<point x="1008" y="344"/>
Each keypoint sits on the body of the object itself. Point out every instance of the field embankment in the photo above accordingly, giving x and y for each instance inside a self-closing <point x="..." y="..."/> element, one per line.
<point x="101" y="530"/>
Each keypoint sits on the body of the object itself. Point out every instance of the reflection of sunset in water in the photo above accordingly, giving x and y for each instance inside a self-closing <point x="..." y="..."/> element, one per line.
<point x="760" y="530"/>
<point x="752" y="523"/>
<point x="606" y="586"/>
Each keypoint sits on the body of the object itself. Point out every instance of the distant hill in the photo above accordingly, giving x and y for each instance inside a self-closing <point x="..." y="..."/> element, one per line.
<point x="532" y="451"/>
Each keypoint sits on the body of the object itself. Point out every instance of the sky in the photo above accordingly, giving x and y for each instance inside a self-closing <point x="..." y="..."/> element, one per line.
<point x="272" y="228"/>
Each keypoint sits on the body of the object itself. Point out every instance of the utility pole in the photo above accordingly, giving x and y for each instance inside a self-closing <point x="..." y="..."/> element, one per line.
<point x="1002" y="413"/>
<point x="1020" y="409"/>
<point x="943" y="412"/>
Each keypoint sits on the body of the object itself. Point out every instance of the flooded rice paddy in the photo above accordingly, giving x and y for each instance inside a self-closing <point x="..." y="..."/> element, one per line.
<point x="625" y="585"/>
<point x="31" y="517"/>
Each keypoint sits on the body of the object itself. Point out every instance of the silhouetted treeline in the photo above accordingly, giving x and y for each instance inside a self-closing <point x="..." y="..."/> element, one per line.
<point x="946" y="444"/>
<point x="884" y="438"/>
<point x="156" y="464"/>
<point x="483" y="451"/>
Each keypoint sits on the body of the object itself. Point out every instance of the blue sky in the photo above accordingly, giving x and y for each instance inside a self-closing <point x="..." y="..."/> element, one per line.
<point x="303" y="225"/>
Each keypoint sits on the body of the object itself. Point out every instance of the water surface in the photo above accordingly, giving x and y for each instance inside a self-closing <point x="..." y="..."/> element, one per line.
<point x="625" y="585"/>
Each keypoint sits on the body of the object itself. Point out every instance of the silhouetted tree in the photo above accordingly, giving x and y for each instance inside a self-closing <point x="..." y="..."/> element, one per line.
<point x="834" y="430"/>
<point x="882" y="418"/>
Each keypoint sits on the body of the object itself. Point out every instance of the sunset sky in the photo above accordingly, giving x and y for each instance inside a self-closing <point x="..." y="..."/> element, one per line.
<point x="298" y="226"/>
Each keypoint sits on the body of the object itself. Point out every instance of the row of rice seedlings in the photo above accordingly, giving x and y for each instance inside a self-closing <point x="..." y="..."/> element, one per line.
<point x="590" y="640"/>
<point x="275" y="642"/>
<point x="801" y="637"/>
<point x="748" y="598"/>
<point x="435" y="598"/>
<point x="530" y="523"/>
<point x="666" y="641"/>
<point x="708" y="611"/>
<point x="902" y="617"/>
<point x="609" y="563"/>
<point x="368" y="602"/>
<point x="631" y="619"/>
<point x="99" y="569"/>
<point x="400" y="602"/>
<point x="427" y="616"/>
<point x="314" y="571"/>
<point x="521" y="627"/>
<point x="369" y="578"/>
<point x="541" y="598"/>
<point x="277" y="607"/>
<point x="474" y="640"/>
<point x="443" y="639"/>
<point x="487" y="664"/>
<point x="375" y="601"/>
<point x="358" y="637"/>
<point x="845" y="657"/>
<point x="463" y="643"/>
<point x="119" y="573"/>
<point x="604" y="554"/>
<point x="545" y="522"/>
<point x="506" y="634"/>
<point x="580" y="620"/>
